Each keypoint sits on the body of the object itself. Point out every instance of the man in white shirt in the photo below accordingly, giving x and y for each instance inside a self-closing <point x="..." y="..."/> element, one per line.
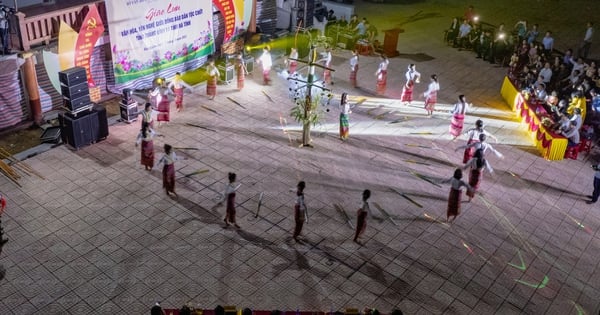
<point x="548" y="42"/>
<point x="586" y="44"/>
<point x="546" y="73"/>
<point x="463" y="34"/>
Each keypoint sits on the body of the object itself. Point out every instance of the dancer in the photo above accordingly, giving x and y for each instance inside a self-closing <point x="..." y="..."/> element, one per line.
<point x="454" y="196"/>
<point x="353" y="68"/>
<point x="344" y="117"/>
<point x="431" y="95"/>
<point x="327" y="64"/>
<point x="229" y="195"/>
<point x="160" y="100"/>
<point x="381" y="74"/>
<point x="292" y="61"/>
<point x="147" y="115"/>
<point x="145" y="138"/>
<point x="483" y="145"/>
<point x="213" y="77"/>
<point x="407" y="91"/>
<point x="458" y="116"/>
<point x="477" y="164"/>
<point x="412" y="74"/>
<point x="473" y="136"/>
<point x="299" y="210"/>
<point x="177" y="84"/>
<point x="361" y="217"/>
<point x="168" y="160"/>
<point x="266" y="62"/>
<point x="2" y="204"/>
<point x="2" y="207"/>
<point x="240" y="71"/>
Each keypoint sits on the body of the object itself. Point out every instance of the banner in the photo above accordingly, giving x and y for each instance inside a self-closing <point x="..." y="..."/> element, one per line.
<point x="91" y="30"/>
<point x="156" y="38"/>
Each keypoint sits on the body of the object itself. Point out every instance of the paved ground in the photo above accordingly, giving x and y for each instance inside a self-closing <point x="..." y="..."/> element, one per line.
<point x="99" y="235"/>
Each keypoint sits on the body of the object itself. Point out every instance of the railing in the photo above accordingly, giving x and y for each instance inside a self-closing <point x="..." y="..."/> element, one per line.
<point x="43" y="28"/>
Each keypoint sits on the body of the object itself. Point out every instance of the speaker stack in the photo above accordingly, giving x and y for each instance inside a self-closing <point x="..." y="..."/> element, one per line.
<point x="83" y="122"/>
<point x="128" y="107"/>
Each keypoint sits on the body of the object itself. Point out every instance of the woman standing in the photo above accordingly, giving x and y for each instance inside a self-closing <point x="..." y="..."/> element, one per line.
<point x="344" y="117"/>
<point x="327" y="64"/>
<point x="407" y="91"/>
<point x="299" y="210"/>
<point x="353" y="68"/>
<point x="458" y="116"/>
<point x="240" y="71"/>
<point x="147" y="115"/>
<point x="145" y="137"/>
<point x="266" y="62"/>
<point x="431" y="95"/>
<point x="454" y="196"/>
<point x="473" y="136"/>
<point x="160" y="100"/>
<point x="168" y="159"/>
<point x="213" y="77"/>
<point x="361" y="217"/>
<point x="477" y="165"/>
<point x="229" y="195"/>
<point x="381" y="74"/>
<point x="178" y="85"/>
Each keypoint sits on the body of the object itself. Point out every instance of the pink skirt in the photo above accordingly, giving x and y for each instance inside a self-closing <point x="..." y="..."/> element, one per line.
<point x="456" y="125"/>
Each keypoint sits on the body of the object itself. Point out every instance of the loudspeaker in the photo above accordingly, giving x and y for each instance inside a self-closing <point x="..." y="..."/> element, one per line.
<point x="102" y="122"/>
<point x="78" y="131"/>
<point x="75" y="91"/>
<point x="226" y="72"/>
<point x="129" y="112"/>
<point x="72" y="76"/>
<point x="75" y="104"/>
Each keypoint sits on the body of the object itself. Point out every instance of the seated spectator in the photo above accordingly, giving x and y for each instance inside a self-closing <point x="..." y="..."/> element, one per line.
<point x="353" y="22"/>
<point x="576" y="117"/>
<point x="463" y="34"/>
<point x="361" y="29"/>
<point x="562" y="123"/>
<point x="371" y="32"/>
<point x="342" y="21"/>
<point x="552" y="99"/>
<point x="572" y="135"/>
<point x="452" y="32"/>
<point x="577" y="101"/>
<point x="540" y="92"/>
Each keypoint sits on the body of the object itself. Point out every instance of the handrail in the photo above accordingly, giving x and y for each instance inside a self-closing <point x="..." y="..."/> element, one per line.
<point x="42" y="28"/>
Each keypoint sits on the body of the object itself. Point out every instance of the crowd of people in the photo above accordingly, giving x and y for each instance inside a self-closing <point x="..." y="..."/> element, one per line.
<point x="189" y="309"/>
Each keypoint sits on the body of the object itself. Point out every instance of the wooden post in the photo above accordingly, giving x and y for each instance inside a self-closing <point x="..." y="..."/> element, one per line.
<point x="31" y="83"/>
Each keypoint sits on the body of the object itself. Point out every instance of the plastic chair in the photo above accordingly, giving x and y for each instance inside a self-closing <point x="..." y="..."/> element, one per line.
<point x="572" y="152"/>
<point x="585" y="145"/>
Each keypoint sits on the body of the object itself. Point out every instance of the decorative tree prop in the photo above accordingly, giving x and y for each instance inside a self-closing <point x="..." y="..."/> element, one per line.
<point x="307" y="95"/>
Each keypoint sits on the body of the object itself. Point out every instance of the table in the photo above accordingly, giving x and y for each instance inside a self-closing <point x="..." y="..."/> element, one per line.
<point x="552" y="146"/>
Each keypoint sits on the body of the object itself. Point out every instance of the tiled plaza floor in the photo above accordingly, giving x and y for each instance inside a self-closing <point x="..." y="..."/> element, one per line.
<point x="99" y="236"/>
